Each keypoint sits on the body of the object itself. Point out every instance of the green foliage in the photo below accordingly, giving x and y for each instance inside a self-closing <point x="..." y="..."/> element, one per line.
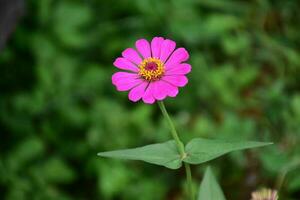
<point x="165" y="154"/>
<point x="200" y="150"/>
<point x="209" y="188"/>
<point x="58" y="107"/>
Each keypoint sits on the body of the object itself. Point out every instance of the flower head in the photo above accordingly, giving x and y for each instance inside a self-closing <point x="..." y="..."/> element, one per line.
<point x="152" y="72"/>
<point x="264" y="194"/>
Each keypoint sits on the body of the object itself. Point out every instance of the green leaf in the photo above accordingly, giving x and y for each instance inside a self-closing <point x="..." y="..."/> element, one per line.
<point x="209" y="188"/>
<point x="164" y="154"/>
<point x="201" y="150"/>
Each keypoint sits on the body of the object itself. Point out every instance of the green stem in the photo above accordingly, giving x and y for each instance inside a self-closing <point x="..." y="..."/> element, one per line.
<point x="180" y="147"/>
<point x="280" y="180"/>
<point x="189" y="180"/>
<point x="172" y="127"/>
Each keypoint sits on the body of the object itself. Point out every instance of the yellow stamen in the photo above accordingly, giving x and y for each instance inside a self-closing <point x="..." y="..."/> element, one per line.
<point x="151" y="69"/>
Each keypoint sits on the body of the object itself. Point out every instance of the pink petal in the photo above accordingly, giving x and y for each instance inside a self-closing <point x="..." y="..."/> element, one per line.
<point x="143" y="47"/>
<point x="167" y="47"/>
<point x="148" y="95"/>
<point x="179" y="80"/>
<point x="137" y="93"/>
<point x="131" y="55"/>
<point x="124" y="64"/>
<point x="125" y="81"/>
<point x="180" y="69"/>
<point x="172" y="90"/>
<point x="180" y="55"/>
<point x="124" y="86"/>
<point x="121" y="75"/>
<point x="160" y="92"/>
<point x="156" y="45"/>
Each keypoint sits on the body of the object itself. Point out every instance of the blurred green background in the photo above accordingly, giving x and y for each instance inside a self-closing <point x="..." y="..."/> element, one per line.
<point x="58" y="107"/>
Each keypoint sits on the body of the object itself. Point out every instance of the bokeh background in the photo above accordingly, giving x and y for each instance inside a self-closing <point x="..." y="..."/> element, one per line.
<point x="58" y="107"/>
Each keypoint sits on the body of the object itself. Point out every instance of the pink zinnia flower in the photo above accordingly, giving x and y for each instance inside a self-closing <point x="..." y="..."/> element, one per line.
<point x="153" y="72"/>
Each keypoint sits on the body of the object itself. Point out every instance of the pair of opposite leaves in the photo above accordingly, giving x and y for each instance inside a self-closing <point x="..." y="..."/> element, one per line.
<point x="198" y="150"/>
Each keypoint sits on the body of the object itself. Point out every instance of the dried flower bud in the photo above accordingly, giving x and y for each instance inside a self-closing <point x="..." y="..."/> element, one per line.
<point x="264" y="194"/>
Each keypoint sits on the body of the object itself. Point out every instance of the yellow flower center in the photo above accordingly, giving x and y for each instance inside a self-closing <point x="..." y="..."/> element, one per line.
<point x="151" y="69"/>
